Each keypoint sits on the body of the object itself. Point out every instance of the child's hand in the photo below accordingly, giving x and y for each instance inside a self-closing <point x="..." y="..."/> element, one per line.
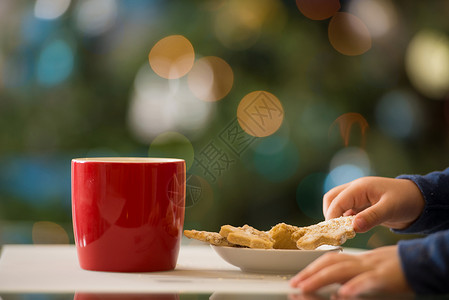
<point x="395" y="203"/>
<point x="377" y="270"/>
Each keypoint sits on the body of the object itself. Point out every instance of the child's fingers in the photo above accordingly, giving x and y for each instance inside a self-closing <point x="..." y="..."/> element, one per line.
<point x="362" y="284"/>
<point x="335" y="273"/>
<point x="343" y="202"/>
<point x="320" y="263"/>
<point x="328" y="269"/>
<point x="330" y="196"/>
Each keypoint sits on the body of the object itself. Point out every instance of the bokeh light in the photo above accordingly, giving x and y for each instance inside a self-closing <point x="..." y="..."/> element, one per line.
<point x="341" y="175"/>
<point x="318" y="9"/>
<point x="399" y="115"/>
<point x="172" y="145"/>
<point x="427" y="63"/>
<point x="96" y="17"/>
<point x="345" y="124"/>
<point x="239" y="23"/>
<point x="152" y="108"/>
<point x="309" y="195"/>
<point x="380" y="16"/>
<point x="352" y="156"/>
<point x="348" y="34"/>
<point x="35" y="180"/>
<point x="347" y="165"/>
<point x="260" y="113"/>
<point x="276" y="158"/>
<point x="158" y="105"/>
<point x="35" y="30"/>
<point x="211" y="78"/>
<point x="55" y="64"/>
<point x="172" y="57"/>
<point x="45" y="232"/>
<point x="50" y="9"/>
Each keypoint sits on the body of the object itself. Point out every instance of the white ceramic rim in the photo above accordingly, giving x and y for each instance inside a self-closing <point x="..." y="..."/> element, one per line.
<point x="126" y="160"/>
<point x="322" y="248"/>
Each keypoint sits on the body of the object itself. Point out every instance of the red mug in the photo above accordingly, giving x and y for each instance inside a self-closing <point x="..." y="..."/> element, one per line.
<point x="128" y="213"/>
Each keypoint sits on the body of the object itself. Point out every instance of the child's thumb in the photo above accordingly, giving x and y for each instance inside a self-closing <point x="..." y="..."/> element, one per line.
<point x="368" y="218"/>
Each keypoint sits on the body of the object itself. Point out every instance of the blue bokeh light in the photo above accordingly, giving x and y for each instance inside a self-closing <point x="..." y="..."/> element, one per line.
<point x="397" y="114"/>
<point x="55" y="63"/>
<point x="35" y="30"/>
<point x="341" y="175"/>
<point x="37" y="181"/>
<point x="147" y="10"/>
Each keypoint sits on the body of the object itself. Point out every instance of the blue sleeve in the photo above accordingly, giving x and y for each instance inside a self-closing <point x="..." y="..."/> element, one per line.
<point x="435" y="189"/>
<point x="425" y="263"/>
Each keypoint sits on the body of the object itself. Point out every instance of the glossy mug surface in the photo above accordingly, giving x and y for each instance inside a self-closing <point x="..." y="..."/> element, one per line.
<point x="128" y="213"/>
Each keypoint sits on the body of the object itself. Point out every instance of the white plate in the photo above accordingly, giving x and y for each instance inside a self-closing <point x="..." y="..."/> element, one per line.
<point x="274" y="261"/>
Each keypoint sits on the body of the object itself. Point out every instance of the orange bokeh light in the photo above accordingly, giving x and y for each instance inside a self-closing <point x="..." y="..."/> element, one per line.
<point x="260" y="113"/>
<point x="345" y="123"/>
<point x="318" y="9"/>
<point x="172" y="57"/>
<point x="211" y="78"/>
<point x="348" y="34"/>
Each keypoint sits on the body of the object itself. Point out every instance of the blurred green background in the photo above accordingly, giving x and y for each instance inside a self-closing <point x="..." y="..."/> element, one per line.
<point x="362" y="89"/>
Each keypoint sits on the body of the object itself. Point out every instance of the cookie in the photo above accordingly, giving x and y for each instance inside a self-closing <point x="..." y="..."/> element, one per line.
<point x="247" y="236"/>
<point x="213" y="238"/>
<point x="282" y="236"/>
<point x="333" y="232"/>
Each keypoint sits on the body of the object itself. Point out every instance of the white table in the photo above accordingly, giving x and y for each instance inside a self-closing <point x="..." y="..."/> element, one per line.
<point x="54" y="269"/>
